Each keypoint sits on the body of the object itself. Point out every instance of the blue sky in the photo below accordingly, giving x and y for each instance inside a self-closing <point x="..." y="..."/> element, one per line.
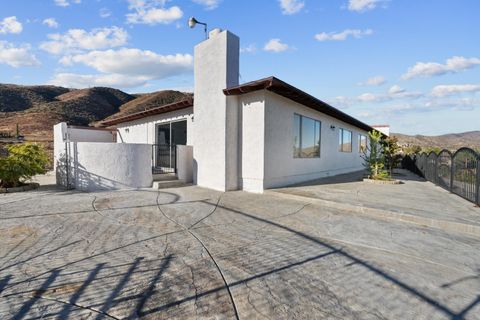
<point x="412" y="64"/>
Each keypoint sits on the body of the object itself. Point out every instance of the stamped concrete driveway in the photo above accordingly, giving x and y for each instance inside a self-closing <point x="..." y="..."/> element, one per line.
<point x="194" y="253"/>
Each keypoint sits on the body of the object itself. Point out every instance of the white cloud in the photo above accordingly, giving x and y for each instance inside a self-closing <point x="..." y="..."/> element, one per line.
<point x="275" y="45"/>
<point x="10" y="25"/>
<point x="123" y="68"/>
<point x="50" y="22"/>
<point x="152" y="12"/>
<point x="341" y="36"/>
<point x="341" y="102"/>
<point x="291" y="6"/>
<point x="208" y="4"/>
<point x="66" y="3"/>
<point x="17" y="56"/>
<point x="396" y="89"/>
<point x="134" y="62"/>
<point x="395" y="92"/>
<point x="452" y="89"/>
<point x="373" y="81"/>
<point x="104" y="13"/>
<point x="452" y="65"/>
<point x="370" y="97"/>
<point x="73" y="80"/>
<point x="251" y="48"/>
<point x="75" y="40"/>
<point x="362" y="5"/>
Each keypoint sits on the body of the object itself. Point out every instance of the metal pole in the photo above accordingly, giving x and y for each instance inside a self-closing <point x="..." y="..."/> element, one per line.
<point x="451" y="173"/>
<point x="67" y="168"/>
<point x="477" y="197"/>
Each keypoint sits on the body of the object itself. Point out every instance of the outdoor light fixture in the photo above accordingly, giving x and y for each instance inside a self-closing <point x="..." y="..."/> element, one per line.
<point x="192" y="22"/>
<point x="332" y="127"/>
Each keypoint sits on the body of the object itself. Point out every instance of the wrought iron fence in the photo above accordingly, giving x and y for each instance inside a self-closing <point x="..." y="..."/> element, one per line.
<point x="164" y="158"/>
<point x="458" y="172"/>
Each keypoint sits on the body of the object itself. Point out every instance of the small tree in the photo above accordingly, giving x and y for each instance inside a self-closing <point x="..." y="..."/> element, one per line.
<point x="374" y="160"/>
<point x="413" y="149"/>
<point x="391" y="150"/>
<point x="22" y="162"/>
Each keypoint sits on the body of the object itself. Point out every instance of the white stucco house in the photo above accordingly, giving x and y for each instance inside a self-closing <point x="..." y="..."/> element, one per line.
<point x="251" y="136"/>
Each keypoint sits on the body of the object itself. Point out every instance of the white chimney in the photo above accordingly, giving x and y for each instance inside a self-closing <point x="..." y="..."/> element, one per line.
<point x="215" y="151"/>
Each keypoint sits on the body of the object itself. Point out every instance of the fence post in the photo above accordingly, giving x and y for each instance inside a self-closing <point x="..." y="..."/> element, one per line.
<point x="451" y="173"/>
<point x="477" y="196"/>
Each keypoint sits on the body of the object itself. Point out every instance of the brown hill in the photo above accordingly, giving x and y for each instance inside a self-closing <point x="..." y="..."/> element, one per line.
<point x="37" y="108"/>
<point x="19" y="98"/>
<point x="452" y="141"/>
<point x="148" y="101"/>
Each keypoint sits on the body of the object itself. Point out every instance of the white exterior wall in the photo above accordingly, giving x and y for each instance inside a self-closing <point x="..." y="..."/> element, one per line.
<point x="122" y="166"/>
<point x="91" y="135"/>
<point x="216" y="147"/>
<point x="252" y="132"/>
<point x="100" y="164"/>
<point x="143" y="130"/>
<point x="267" y="140"/>
<point x="383" y="129"/>
<point x="63" y="133"/>
<point x="281" y="168"/>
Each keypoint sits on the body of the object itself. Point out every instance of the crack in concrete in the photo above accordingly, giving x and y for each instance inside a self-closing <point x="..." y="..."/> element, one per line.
<point x="195" y="287"/>
<point x="208" y="215"/>
<point x="208" y="252"/>
<point x="252" y="304"/>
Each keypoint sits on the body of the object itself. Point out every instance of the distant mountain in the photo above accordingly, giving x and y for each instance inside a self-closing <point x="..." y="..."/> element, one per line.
<point x="19" y="98"/>
<point x="452" y="141"/>
<point x="37" y="108"/>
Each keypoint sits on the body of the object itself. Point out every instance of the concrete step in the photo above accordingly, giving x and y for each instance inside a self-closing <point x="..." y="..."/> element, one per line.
<point x="163" y="184"/>
<point x="165" y="177"/>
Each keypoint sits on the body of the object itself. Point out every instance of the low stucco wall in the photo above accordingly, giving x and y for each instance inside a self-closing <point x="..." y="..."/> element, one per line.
<point x="105" y="166"/>
<point x="185" y="163"/>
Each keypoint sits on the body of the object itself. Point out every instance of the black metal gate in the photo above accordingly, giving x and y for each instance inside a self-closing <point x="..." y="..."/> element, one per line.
<point x="164" y="158"/>
<point x="458" y="172"/>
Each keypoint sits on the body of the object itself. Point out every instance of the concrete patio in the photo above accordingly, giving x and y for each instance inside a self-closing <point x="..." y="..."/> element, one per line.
<point x="295" y="253"/>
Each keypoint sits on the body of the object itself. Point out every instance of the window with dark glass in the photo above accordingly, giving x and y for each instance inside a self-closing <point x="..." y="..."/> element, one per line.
<point x="344" y="140"/>
<point x="306" y="137"/>
<point x="362" y="142"/>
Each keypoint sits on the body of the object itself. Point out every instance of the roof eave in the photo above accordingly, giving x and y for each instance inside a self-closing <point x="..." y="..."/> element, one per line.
<point x="288" y="91"/>
<point x="183" y="104"/>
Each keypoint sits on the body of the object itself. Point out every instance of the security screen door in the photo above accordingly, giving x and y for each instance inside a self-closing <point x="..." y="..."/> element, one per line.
<point x="169" y="135"/>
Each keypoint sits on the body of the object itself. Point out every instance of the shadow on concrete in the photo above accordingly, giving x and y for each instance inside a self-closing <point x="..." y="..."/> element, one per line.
<point x="141" y="299"/>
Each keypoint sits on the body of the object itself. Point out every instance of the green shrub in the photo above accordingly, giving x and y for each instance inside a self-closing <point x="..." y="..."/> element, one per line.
<point x="22" y="162"/>
<point x="374" y="160"/>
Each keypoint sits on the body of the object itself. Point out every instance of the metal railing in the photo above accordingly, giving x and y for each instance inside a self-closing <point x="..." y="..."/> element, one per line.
<point x="164" y="158"/>
<point x="457" y="172"/>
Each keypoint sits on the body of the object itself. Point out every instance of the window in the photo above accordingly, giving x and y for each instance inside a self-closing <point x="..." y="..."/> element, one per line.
<point x="345" y="140"/>
<point x="306" y="137"/>
<point x="362" y="142"/>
